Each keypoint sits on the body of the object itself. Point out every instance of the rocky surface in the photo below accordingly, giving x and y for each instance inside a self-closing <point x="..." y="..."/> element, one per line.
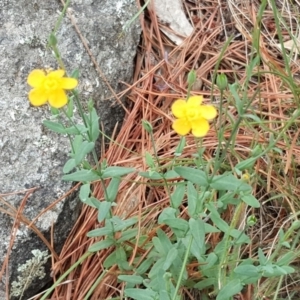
<point x="32" y="156"/>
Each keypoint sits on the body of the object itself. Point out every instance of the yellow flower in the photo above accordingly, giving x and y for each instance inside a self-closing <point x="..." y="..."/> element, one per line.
<point x="49" y="86"/>
<point x="192" y="116"/>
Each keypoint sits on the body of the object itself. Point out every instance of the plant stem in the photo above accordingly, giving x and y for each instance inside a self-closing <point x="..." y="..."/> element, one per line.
<point x="182" y="268"/>
<point x="63" y="276"/>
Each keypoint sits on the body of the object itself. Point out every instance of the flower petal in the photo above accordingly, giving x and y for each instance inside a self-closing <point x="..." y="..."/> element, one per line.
<point x="56" y="74"/>
<point x="181" y="126"/>
<point x="37" y="97"/>
<point x="36" y="78"/>
<point x="200" y="127"/>
<point x="194" y="100"/>
<point x="68" y="83"/>
<point x="208" y="112"/>
<point x="178" y="108"/>
<point x="58" y="98"/>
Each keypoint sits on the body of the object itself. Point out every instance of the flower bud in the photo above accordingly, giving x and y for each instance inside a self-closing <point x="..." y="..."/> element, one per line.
<point x="251" y="221"/>
<point x="147" y="126"/>
<point x="222" y="81"/>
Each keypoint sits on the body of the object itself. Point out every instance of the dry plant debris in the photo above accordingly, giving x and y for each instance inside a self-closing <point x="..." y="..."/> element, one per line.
<point x="160" y="78"/>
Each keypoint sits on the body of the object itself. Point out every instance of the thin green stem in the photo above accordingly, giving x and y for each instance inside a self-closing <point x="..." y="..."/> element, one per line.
<point x="63" y="276"/>
<point x="183" y="268"/>
<point x="60" y="18"/>
<point x="96" y="283"/>
<point x="158" y="165"/>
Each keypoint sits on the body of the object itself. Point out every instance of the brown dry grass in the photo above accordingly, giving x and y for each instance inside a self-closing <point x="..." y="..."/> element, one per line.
<point x="159" y="79"/>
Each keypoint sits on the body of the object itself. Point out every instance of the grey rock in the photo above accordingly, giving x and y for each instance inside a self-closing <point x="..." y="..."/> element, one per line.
<point x="32" y="156"/>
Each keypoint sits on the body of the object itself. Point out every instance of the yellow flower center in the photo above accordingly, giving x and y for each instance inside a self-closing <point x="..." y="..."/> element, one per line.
<point x="191" y="113"/>
<point x="51" y="84"/>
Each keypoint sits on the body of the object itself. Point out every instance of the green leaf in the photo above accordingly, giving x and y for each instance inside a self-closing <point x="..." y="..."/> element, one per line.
<point x="215" y="217"/>
<point x="164" y="295"/>
<point x="78" y="129"/>
<point x="110" y="260"/>
<point x="151" y="175"/>
<point x="250" y="200"/>
<point x="286" y="259"/>
<point x="253" y="117"/>
<point x="86" y="147"/>
<point x="192" y="196"/>
<point x="171" y="174"/>
<point x="180" y="146"/>
<point x="156" y="268"/>
<point x="210" y="229"/>
<point x="262" y="258"/>
<point x="75" y="74"/>
<point x="92" y="201"/>
<point x="241" y="237"/>
<point x="128" y="235"/>
<point x="103" y="210"/>
<point x="120" y="254"/>
<point x="77" y="142"/>
<point x="138" y="294"/>
<point x="158" y="246"/>
<point x="116" y="172"/>
<point x="246" y="164"/>
<point x="167" y="213"/>
<point x="113" y="189"/>
<point x="238" y="102"/>
<point x="145" y="265"/>
<point x="101" y="245"/>
<point x="247" y="270"/>
<point x="100" y="232"/>
<point x="84" y="192"/>
<point x="135" y="279"/>
<point x="54" y="111"/>
<point x="180" y="224"/>
<point x="229" y="182"/>
<point x="192" y="175"/>
<point x="70" y="107"/>
<point x="82" y="175"/>
<point x="171" y="256"/>
<point x="149" y="160"/>
<point x="125" y="223"/>
<point x="197" y="230"/>
<point x="164" y="239"/>
<point x="205" y="283"/>
<point x="177" y="196"/>
<point x="56" y="127"/>
<point x="94" y="129"/>
<point x="69" y="165"/>
<point x="232" y="288"/>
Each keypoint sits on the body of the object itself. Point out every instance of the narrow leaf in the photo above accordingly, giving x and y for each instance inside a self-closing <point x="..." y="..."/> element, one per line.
<point x="56" y="127"/>
<point x="177" y="196"/>
<point x="232" y="288"/>
<point x="135" y="279"/>
<point x="101" y="245"/>
<point x="197" y="230"/>
<point x="69" y="165"/>
<point x="250" y="200"/>
<point x="138" y="294"/>
<point x="192" y="196"/>
<point x="85" y="148"/>
<point x="103" y="210"/>
<point x="116" y="171"/>
<point x="229" y="182"/>
<point x="84" y="192"/>
<point x="171" y="256"/>
<point x="113" y="189"/>
<point x="82" y="175"/>
<point x="192" y="175"/>
<point x="94" y="129"/>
